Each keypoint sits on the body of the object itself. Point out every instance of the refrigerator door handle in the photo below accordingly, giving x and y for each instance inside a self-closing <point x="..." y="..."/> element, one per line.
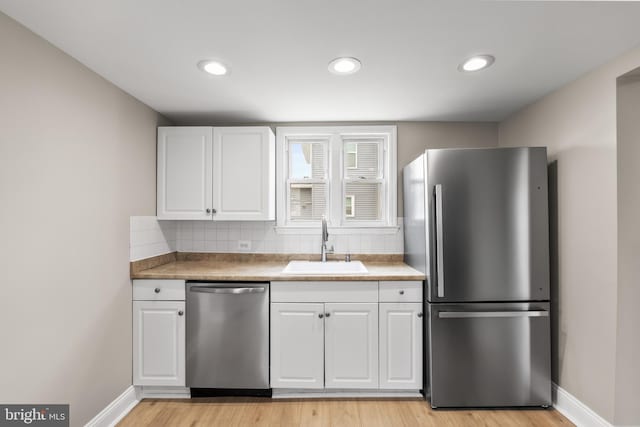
<point x="478" y="314"/>
<point x="439" y="241"/>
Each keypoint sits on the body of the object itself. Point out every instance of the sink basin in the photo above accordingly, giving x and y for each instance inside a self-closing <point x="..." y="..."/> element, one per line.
<point x="329" y="267"/>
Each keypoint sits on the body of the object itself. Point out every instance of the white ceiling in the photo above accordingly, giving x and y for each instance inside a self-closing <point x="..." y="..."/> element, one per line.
<point x="278" y="51"/>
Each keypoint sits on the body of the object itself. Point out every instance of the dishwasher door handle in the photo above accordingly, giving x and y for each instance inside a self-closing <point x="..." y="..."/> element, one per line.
<point x="235" y="291"/>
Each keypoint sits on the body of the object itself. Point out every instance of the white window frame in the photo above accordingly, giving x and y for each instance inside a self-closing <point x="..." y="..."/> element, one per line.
<point x="336" y="177"/>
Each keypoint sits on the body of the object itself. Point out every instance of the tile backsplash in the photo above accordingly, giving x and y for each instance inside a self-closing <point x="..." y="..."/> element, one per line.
<point x="150" y="237"/>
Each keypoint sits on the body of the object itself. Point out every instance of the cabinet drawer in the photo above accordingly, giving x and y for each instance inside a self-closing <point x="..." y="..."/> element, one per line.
<point x="335" y="291"/>
<point x="158" y="290"/>
<point x="401" y="291"/>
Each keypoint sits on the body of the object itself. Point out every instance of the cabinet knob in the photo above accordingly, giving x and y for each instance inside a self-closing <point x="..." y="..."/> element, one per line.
<point x="419" y="314"/>
<point x="327" y="314"/>
<point x="208" y="211"/>
<point x="180" y="313"/>
<point x="321" y="315"/>
<point x="401" y="291"/>
<point x="156" y="290"/>
<point x="213" y="210"/>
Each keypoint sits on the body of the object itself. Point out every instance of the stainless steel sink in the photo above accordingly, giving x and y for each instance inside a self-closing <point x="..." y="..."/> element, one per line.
<point x="329" y="267"/>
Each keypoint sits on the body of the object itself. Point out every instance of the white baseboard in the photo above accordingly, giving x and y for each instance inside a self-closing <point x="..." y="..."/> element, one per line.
<point x="342" y="394"/>
<point x="563" y="401"/>
<point x="576" y="411"/>
<point x="162" y="392"/>
<point x="116" y="410"/>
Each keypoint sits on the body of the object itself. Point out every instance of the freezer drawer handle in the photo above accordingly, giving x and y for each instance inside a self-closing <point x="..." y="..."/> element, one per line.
<point x="235" y="291"/>
<point x="439" y="241"/>
<point x="471" y="314"/>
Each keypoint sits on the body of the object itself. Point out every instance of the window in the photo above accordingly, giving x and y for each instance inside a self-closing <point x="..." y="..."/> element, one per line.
<point x="349" y="206"/>
<point x="307" y="179"/>
<point x="346" y="173"/>
<point x="365" y="179"/>
<point x="351" y="156"/>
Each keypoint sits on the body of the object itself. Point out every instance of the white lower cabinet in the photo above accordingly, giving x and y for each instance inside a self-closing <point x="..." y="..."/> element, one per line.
<point x="159" y="333"/>
<point x="159" y="343"/>
<point x="331" y="345"/>
<point x="348" y="340"/>
<point x="297" y="345"/>
<point x="351" y="345"/>
<point x="346" y="335"/>
<point x="401" y="346"/>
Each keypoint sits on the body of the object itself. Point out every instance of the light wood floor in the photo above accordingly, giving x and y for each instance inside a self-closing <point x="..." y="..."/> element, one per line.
<point x="228" y="412"/>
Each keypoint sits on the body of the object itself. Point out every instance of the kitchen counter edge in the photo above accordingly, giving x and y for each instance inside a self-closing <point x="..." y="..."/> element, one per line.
<point x="257" y="267"/>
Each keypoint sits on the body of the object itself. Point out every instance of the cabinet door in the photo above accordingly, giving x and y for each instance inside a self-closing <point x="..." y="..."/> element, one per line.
<point x="158" y="343"/>
<point x="184" y="172"/>
<point x="243" y="173"/>
<point x="351" y="345"/>
<point x="401" y="346"/>
<point x="297" y="345"/>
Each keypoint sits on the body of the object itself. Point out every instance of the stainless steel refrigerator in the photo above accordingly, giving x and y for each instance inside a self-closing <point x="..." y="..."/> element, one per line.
<point x="476" y="223"/>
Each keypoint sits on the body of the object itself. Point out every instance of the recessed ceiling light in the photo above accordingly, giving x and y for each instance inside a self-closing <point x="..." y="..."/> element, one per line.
<point x="476" y="63"/>
<point x="344" y="66"/>
<point x="215" y="68"/>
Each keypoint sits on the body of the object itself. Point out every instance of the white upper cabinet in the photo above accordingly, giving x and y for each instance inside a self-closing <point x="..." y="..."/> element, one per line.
<point x="244" y="173"/>
<point x="184" y="181"/>
<point x="222" y="173"/>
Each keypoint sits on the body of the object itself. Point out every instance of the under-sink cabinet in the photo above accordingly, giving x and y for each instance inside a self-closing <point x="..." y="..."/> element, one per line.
<point x="346" y="335"/>
<point x="216" y="173"/>
<point x="159" y="333"/>
<point x="297" y="345"/>
<point x="331" y="345"/>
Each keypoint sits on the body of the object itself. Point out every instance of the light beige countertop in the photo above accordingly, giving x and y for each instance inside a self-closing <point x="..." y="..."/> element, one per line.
<point x="262" y="267"/>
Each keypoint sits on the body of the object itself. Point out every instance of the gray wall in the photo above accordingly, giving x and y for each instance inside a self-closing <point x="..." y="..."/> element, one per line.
<point x="578" y="125"/>
<point x="77" y="158"/>
<point x="627" y="407"/>
<point x="415" y="137"/>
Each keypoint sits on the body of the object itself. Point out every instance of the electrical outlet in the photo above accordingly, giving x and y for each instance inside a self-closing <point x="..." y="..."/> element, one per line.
<point x="244" y="245"/>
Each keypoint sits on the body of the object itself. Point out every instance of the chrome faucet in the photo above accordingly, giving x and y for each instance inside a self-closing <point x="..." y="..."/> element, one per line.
<point x="325" y="237"/>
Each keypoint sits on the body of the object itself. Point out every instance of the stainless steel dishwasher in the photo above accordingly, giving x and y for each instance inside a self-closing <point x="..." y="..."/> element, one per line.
<point x="228" y="335"/>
